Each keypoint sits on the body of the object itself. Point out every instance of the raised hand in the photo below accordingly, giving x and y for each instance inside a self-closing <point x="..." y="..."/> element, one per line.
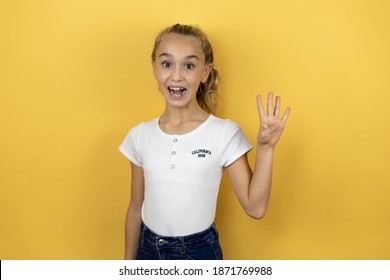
<point x="271" y="126"/>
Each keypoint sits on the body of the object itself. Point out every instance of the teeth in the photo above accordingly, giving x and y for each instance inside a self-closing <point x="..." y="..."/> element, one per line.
<point x="177" y="91"/>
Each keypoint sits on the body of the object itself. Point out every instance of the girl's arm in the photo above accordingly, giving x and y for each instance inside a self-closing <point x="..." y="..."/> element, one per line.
<point x="133" y="217"/>
<point x="253" y="188"/>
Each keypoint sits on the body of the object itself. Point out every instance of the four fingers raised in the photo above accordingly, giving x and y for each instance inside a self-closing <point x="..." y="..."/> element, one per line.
<point x="271" y="110"/>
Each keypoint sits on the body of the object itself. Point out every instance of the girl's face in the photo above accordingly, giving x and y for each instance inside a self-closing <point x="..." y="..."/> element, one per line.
<point x="179" y="68"/>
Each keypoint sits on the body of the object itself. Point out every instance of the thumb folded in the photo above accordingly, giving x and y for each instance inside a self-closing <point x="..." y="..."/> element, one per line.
<point x="269" y="130"/>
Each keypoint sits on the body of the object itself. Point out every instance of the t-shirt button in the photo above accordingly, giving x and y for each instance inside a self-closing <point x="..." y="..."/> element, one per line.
<point x="175" y="140"/>
<point x="173" y="153"/>
<point x="172" y="166"/>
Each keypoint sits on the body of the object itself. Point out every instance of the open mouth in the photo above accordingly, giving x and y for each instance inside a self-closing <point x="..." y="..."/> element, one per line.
<point x="177" y="91"/>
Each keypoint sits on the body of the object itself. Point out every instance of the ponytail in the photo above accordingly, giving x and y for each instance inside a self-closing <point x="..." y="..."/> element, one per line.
<point x="207" y="93"/>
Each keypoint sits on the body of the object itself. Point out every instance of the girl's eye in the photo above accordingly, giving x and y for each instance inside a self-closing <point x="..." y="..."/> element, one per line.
<point x="165" y="64"/>
<point x="189" y="66"/>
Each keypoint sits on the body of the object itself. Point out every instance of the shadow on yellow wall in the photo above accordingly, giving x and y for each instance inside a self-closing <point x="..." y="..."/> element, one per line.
<point x="76" y="75"/>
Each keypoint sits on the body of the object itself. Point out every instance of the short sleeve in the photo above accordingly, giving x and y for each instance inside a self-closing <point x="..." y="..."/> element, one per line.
<point x="234" y="144"/>
<point x="131" y="145"/>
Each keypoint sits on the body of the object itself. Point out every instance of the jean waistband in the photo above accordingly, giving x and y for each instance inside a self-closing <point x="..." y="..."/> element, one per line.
<point x="178" y="241"/>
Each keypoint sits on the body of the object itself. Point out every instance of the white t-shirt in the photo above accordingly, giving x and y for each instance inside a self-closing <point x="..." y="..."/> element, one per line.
<point x="183" y="172"/>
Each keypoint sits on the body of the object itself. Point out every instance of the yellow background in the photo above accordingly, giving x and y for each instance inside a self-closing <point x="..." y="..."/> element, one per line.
<point x="75" y="76"/>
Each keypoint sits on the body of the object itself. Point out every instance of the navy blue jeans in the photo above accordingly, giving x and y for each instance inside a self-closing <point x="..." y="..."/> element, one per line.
<point x="199" y="246"/>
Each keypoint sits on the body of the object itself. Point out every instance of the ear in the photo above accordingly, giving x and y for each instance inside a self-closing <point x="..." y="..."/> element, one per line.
<point x="206" y="72"/>
<point x="154" y="69"/>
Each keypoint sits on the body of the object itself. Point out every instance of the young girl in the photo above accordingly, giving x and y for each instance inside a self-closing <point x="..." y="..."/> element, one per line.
<point x="177" y="160"/>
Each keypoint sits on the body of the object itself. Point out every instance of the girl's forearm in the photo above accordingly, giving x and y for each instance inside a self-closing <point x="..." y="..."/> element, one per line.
<point x="132" y="228"/>
<point x="260" y="185"/>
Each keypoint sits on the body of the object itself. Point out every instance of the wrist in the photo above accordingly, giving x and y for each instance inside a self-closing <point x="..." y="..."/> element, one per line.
<point x="265" y="148"/>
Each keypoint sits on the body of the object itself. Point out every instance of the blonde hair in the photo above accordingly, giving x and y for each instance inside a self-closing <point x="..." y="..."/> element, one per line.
<point x="207" y="92"/>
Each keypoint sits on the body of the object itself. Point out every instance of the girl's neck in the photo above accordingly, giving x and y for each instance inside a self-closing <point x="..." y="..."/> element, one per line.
<point x="181" y="115"/>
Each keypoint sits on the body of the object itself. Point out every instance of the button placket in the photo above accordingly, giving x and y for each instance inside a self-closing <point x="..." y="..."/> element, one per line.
<point x="173" y="153"/>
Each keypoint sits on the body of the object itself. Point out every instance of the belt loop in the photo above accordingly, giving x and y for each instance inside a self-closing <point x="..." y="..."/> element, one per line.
<point x="143" y="229"/>
<point x="215" y="230"/>
<point x="182" y="245"/>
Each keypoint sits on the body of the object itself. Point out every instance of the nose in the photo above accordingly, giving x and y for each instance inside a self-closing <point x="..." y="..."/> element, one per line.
<point x="176" y="74"/>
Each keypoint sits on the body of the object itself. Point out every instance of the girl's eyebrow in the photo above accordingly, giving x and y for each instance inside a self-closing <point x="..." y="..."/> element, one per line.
<point x="187" y="57"/>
